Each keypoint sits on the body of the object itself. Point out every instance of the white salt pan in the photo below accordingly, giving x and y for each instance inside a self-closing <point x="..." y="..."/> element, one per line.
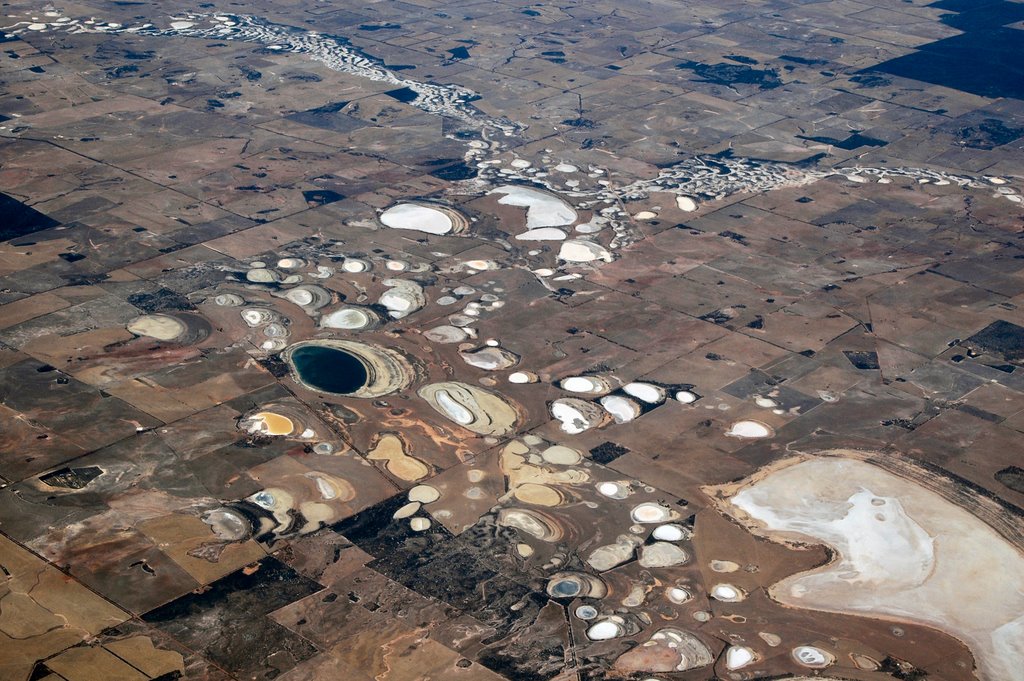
<point x="749" y="429"/>
<point x="542" y="234"/>
<point x="603" y="631"/>
<point x="542" y="209"/>
<point x="417" y="218"/>
<point x="622" y="409"/>
<point x="686" y="204"/>
<point x="738" y="656"/>
<point x="651" y="394"/>
<point x="583" y="251"/>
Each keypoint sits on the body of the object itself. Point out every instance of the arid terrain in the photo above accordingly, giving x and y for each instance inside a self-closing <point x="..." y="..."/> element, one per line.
<point x="413" y="341"/>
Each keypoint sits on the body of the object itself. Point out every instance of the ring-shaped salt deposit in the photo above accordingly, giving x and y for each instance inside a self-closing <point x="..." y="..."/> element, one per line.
<point x="533" y="522"/>
<point x="349" y="318"/>
<point x="480" y="411"/>
<point x="613" y="490"/>
<point x="422" y="218"/>
<point x="228" y="300"/>
<point x="678" y="594"/>
<point x="727" y="593"/>
<point x="812" y="657"/>
<point x="650" y="512"/>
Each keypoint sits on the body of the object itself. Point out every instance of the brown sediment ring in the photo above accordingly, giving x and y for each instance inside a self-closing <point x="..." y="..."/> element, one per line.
<point x="387" y="370"/>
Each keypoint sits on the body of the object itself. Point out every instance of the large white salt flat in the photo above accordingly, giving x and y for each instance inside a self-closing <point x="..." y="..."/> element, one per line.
<point x="903" y="552"/>
<point x="416" y="217"/>
<point x="542" y="209"/>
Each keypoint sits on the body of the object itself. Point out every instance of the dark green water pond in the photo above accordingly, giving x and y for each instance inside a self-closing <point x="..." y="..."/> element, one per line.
<point x="329" y="369"/>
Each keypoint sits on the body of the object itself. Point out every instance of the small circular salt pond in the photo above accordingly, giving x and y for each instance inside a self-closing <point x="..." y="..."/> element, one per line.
<point x="275" y="330"/>
<point x="261" y="276"/>
<point x="355" y="265"/>
<point x="329" y="369"/>
<point x="346" y="318"/>
<point x="622" y="409"/>
<point x="583" y="384"/>
<point x="445" y="334"/>
<point x="425" y="494"/>
<point x="670" y="532"/>
<point x="300" y="296"/>
<point x="419" y="524"/>
<point x="650" y="512"/>
<point x="565" y="588"/>
<point x="522" y="377"/>
<point x="563" y="456"/>
<point x="586" y="612"/>
<point x="686" y="204"/>
<point x="809" y="656"/>
<point x="686" y="397"/>
<point x="727" y="593"/>
<point x="613" y="490"/>
<point x="604" y="631"/>
<point x="678" y="595"/>
<point x="646" y="392"/>
<point x="749" y="430"/>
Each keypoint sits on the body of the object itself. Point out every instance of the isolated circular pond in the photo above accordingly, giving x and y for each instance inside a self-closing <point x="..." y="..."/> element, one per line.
<point x="329" y="369"/>
<point x="350" y="368"/>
